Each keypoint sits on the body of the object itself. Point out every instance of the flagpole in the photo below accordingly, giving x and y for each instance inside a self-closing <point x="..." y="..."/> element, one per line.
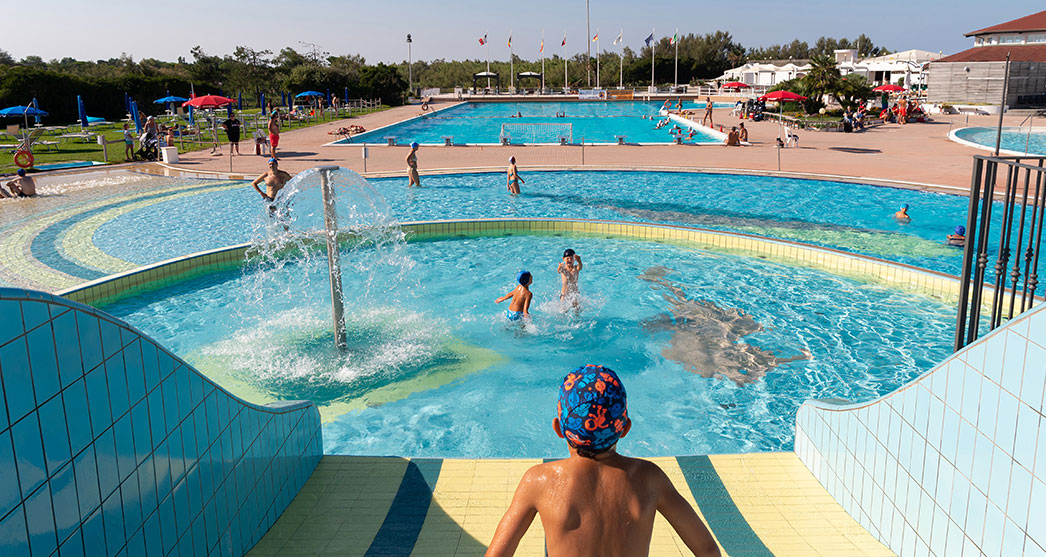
<point x="597" y="58"/>
<point x="565" y="86"/>
<point x="652" y="45"/>
<point x="511" y="65"/>
<point x="675" y="39"/>
<point x="487" y="50"/>
<point x="542" y="61"/>
<point x="621" y="56"/>
<point x="588" y="32"/>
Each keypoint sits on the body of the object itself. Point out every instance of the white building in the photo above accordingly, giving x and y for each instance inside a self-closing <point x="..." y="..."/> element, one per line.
<point x="891" y="68"/>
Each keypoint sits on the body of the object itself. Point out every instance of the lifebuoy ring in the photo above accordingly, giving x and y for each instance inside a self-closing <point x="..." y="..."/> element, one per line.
<point x="23" y="159"/>
<point x="424" y="107"/>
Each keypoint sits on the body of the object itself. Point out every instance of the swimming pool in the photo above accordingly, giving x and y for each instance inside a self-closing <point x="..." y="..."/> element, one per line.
<point x="535" y="122"/>
<point x="858" y="218"/>
<point x="1029" y="140"/>
<point x="717" y="351"/>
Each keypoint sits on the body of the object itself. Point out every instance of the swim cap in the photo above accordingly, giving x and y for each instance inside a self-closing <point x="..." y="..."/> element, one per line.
<point x="568" y="253"/>
<point x="21" y="172"/>
<point x="593" y="408"/>
<point x="905" y="206"/>
<point x="414" y="145"/>
<point x="524" y="277"/>
<point x="960" y="230"/>
<point x="273" y="160"/>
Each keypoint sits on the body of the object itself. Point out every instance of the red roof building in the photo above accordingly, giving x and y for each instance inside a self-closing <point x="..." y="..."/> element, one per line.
<point x="977" y="75"/>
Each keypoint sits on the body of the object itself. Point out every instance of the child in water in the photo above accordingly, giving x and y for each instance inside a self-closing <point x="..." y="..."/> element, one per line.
<point x="902" y="214"/>
<point x="596" y="501"/>
<point x="521" y="296"/>
<point x="959" y="238"/>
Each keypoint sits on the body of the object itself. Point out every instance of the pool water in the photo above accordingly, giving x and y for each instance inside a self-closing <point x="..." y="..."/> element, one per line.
<point x="716" y="351"/>
<point x="481" y="123"/>
<point x="1028" y="140"/>
<point x="852" y="217"/>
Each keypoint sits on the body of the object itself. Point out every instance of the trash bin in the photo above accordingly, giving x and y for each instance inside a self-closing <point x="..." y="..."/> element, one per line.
<point x="169" y="154"/>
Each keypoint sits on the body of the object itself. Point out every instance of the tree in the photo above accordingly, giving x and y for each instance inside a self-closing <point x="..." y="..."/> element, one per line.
<point x="823" y="77"/>
<point x="384" y="81"/>
<point x="5" y="58"/>
<point x="852" y="89"/>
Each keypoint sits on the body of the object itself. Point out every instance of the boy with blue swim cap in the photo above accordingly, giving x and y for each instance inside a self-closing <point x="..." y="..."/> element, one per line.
<point x="521" y="296"/>
<point x="596" y="501"/>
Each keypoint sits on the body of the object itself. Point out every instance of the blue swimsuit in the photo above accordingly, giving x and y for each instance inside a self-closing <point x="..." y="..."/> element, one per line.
<point x="513" y="315"/>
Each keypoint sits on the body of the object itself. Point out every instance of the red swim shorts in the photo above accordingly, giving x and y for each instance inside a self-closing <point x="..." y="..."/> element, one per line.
<point x="274" y="139"/>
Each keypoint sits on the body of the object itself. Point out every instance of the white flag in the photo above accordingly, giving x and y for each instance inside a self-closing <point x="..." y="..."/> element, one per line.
<point x="618" y="39"/>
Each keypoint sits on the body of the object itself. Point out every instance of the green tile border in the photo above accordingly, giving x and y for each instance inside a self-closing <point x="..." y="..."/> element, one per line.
<point x="114" y="287"/>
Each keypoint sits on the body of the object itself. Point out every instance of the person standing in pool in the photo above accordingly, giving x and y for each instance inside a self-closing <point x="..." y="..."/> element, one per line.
<point x="902" y="214"/>
<point x="596" y="501"/>
<point x="521" y="297"/>
<point x="708" y="113"/>
<point x="513" y="177"/>
<point x="274" y="180"/>
<point x="568" y="270"/>
<point x="413" y="179"/>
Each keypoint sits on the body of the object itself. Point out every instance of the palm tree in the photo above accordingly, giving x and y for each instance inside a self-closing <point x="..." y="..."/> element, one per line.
<point x="823" y="77"/>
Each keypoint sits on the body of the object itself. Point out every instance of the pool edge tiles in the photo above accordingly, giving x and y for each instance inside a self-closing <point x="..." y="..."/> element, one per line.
<point x="755" y="504"/>
<point x="108" y="289"/>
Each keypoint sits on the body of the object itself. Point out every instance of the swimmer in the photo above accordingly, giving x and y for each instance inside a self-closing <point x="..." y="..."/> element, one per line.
<point x="902" y="214"/>
<point x="274" y="180"/>
<point x="521" y="296"/>
<point x="22" y="186"/>
<point x="413" y="178"/>
<point x="569" y="269"/>
<point x="513" y="177"/>
<point x="959" y="238"/>
<point x="597" y="501"/>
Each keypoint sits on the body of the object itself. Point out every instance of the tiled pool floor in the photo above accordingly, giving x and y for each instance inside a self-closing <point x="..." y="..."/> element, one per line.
<point x="755" y="504"/>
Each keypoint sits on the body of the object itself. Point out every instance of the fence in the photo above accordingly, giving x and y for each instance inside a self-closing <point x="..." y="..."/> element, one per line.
<point x="1021" y="181"/>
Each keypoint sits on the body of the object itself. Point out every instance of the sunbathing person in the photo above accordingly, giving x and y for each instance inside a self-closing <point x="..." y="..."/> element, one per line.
<point x="596" y="501"/>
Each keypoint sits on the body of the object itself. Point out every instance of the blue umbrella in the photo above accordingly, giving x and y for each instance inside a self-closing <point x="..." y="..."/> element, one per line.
<point x="192" y="116"/>
<point x="83" y="112"/>
<point x="36" y="105"/>
<point x="307" y="94"/>
<point x="328" y="96"/>
<point x="170" y="99"/>
<point x="23" y="111"/>
<point x="228" y="109"/>
<point x="346" y="97"/>
<point x="137" y="119"/>
<point x="240" y="105"/>
<point x="283" y="98"/>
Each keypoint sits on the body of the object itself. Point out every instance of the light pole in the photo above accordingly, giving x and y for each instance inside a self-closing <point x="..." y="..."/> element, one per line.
<point x="410" y="69"/>
<point x="588" y="41"/>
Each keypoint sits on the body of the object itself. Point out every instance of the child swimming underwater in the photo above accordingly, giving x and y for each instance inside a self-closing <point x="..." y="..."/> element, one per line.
<point x="521" y="296"/>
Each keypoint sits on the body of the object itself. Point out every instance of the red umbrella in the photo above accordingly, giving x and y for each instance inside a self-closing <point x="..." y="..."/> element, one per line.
<point x="735" y="85"/>
<point x="889" y="88"/>
<point x="209" y="101"/>
<point x="782" y="96"/>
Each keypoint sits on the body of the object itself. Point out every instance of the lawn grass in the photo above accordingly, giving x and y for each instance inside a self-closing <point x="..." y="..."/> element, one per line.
<point x="78" y="150"/>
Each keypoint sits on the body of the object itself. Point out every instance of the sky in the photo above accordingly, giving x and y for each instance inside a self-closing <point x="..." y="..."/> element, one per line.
<point x="450" y="29"/>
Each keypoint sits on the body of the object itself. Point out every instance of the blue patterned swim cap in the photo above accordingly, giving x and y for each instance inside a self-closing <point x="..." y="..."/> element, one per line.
<point x="593" y="408"/>
<point x="960" y="230"/>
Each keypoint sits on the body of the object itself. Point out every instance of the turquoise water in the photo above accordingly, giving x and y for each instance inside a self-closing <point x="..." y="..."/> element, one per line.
<point x="593" y="121"/>
<point x="852" y="217"/>
<point x="716" y="351"/>
<point x="1012" y="139"/>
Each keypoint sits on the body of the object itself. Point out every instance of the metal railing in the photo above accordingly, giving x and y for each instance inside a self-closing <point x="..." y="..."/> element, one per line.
<point x="1020" y="185"/>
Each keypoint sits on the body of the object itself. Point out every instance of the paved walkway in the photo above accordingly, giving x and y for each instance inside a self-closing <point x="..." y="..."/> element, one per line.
<point x="755" y="504"/>
<point x="918" y="153"/>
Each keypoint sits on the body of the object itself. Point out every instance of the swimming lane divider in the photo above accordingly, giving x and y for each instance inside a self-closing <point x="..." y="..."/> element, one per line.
<point x="730" y="527"/>
<point x="399" y="532"/>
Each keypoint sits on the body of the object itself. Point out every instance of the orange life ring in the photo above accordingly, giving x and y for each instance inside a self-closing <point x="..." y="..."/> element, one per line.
<point x="424" y="107"/>
<point x="23" y="159"/>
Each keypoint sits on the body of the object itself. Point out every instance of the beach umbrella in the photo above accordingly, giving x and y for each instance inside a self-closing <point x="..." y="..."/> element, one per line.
<point x="36" y="105"/>
<point x="889" y="88"/>
<point x="192" y="116"/>
<point x="209" y="101"/>
<point x="307" y="94"/>
<point x="735" y="85"/>
<point x="781" y="97"/>
<point x="346" y="97"/>
<point x="83" y="112"/>
<point x="23" y="111"/>
<point x="170" y="99"/>
<point x="240" y="99"/>
<point x="262" y="102"/>
<point x="134" y="116"/>
<point x="328" y="97"/>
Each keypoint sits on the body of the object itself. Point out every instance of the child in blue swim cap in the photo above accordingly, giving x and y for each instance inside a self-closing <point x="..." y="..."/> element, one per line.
<point x="521" y="296"/>
<point x="596" y="498"/>
<point x="959" y="238"/>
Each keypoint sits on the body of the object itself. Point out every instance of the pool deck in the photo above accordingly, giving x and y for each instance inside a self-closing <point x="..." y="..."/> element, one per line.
<point x="917" y="153"/>
<point x="755" y="504"/>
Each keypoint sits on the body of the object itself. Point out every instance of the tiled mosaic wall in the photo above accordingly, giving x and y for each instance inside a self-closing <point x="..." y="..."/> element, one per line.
<point x="110" y="445"/>
<point x="954" y="463"/>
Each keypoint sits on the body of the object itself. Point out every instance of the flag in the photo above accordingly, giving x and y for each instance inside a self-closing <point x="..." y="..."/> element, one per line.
<point x="542" y="49"/>
<point x="649" y="39"/>
<point x="674" y="39"/>
<point x="564" y="40"/>
<point x="510" y="40"/>
<point x="618" y="39"/>
<point x="483" y="39"/>
<point x="596" y="38"/>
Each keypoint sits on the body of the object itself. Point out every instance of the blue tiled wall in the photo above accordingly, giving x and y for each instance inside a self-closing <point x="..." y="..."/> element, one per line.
<point x="110" y="445"/>
<point x="953" y="463"/>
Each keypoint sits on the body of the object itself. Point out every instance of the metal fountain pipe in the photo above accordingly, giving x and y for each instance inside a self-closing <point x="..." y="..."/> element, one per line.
<point x="330" y="223"/>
